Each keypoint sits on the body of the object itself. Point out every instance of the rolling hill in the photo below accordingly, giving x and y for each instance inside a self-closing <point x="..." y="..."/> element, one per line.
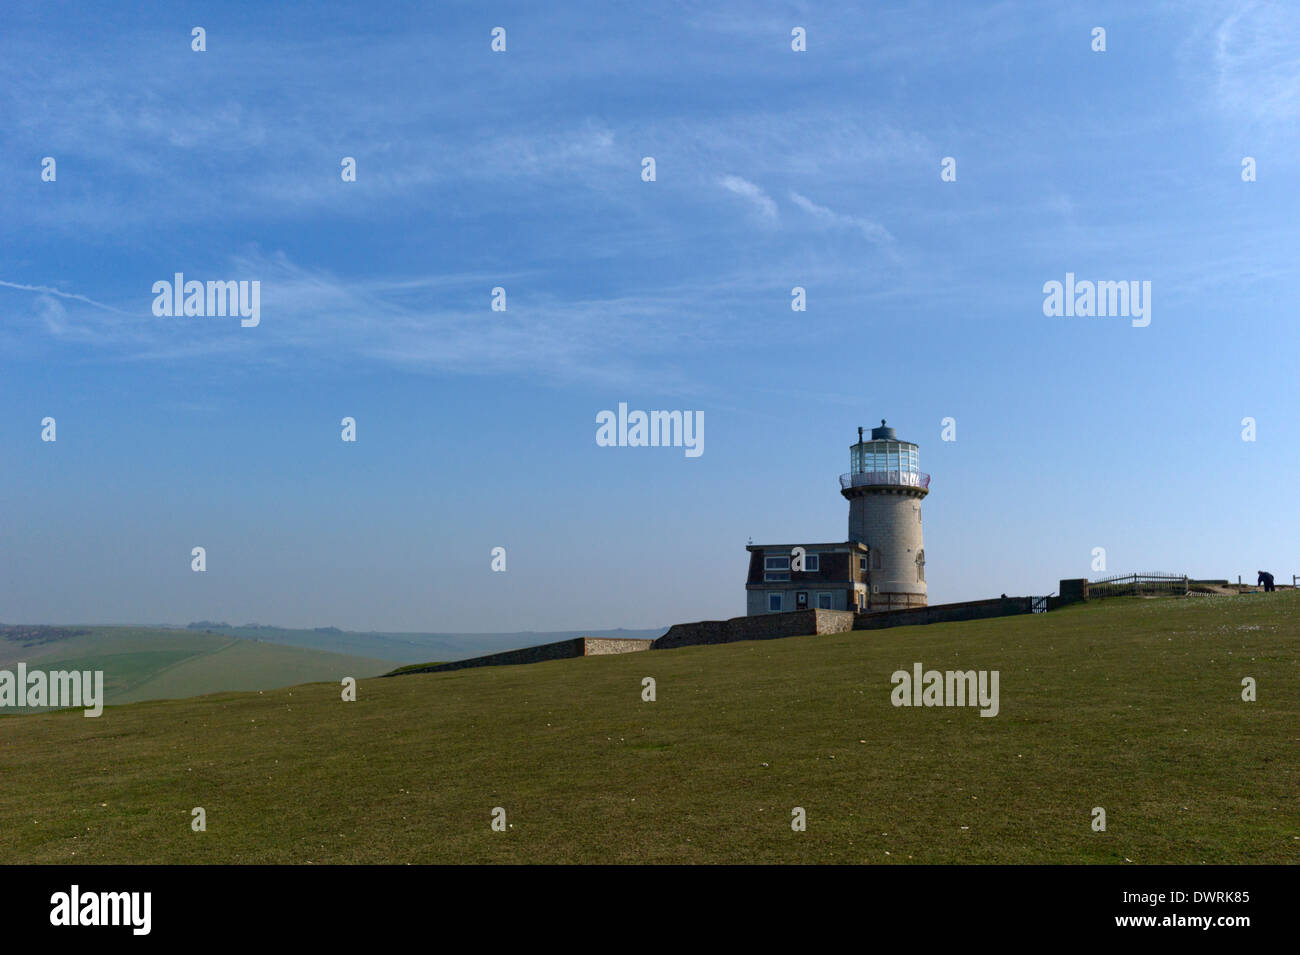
<point x="145" y="663"/>
<point x="1133" y="705"/>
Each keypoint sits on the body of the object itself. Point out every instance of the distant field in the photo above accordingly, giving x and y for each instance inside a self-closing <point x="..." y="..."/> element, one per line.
<point x="416" y="647"/>
<point x="141" y="663"/>
<point x="1130" y="704"/>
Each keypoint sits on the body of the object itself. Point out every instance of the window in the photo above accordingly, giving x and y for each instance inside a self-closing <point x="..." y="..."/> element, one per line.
<point x="876" y="563"/>
<point x="776" y="569"/>
<point x="862" y="564"/>
<point x="823" y="601"/>
<point x="773" y="602"/>
<point x="920" y="567"/>
<point x="884" y="456"/>
<point x="812" y="563"/>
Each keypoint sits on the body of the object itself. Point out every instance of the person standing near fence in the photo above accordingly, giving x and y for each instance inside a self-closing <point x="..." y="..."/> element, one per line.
<point x="1266" y="579"/>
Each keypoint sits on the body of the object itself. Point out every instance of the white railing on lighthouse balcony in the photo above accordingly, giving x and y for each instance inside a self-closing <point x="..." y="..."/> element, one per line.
<point x="895" y="478"/>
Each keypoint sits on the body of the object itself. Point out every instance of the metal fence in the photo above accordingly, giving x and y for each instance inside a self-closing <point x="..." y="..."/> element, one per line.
<point x="1153" y="583"/>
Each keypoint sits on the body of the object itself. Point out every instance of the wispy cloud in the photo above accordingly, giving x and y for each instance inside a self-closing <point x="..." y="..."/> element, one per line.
<point x="871" y="230"/>
<point x="46" y="290"/>
<point x="1257" y="61"/>
<point x="756" y="197"/>
<point x="436" y="322"/>
<point x="135" y="139"/>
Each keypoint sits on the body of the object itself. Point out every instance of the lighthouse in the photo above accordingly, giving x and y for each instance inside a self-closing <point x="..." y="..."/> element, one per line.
<point x="882" y="564"/>
<point x="884" y="488"/>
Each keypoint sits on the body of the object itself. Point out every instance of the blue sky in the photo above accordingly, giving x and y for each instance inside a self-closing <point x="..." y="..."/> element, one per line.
<point x="522" y="169"/>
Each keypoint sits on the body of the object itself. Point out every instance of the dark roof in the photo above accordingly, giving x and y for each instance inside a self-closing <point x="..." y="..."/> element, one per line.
<point x="852" y="545"/>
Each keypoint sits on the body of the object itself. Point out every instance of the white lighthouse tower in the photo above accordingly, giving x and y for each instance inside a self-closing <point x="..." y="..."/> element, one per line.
<point x="884" y="488"/>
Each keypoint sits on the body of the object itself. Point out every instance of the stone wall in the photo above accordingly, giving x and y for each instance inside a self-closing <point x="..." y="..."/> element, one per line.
<point x="601" y="646"/>
<point x="1071" y="590"/>
<point x="804" y="622"/>
<point x="944" y="613"/>
<point x="562" y="650"/>
<point x="768" y="626"/>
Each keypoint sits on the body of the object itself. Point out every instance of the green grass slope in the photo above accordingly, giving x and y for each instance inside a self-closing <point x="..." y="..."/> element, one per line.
<point x="143" y="663"/>
<point x="246" y="665"/>
<point x="1130" y="704"/>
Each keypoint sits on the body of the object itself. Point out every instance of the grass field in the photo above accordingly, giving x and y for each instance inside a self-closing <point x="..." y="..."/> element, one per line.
<point x="149" y="663"/>
<point x="1130" y="704"/>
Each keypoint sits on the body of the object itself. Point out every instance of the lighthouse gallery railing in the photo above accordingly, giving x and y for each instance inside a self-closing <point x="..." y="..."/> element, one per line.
<point x="895" y="478"/>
